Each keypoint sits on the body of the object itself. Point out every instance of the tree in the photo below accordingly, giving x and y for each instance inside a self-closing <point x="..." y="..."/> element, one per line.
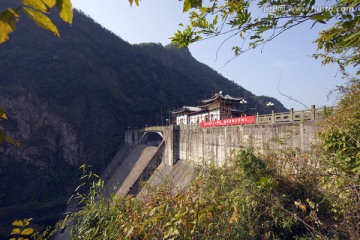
<point x="35" y="10"/>
<point x="340" y="162"/>
<point x="239" y="18"/>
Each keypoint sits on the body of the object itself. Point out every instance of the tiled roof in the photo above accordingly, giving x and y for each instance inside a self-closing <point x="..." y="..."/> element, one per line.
<point x="220" y="95"/>
<point x="186" y="109"/>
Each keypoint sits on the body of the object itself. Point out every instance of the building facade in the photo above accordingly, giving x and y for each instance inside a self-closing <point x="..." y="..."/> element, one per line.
<point x="219" y="106"/>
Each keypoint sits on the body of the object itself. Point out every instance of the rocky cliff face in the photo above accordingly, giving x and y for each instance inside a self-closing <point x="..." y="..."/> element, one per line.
<point x="30" y="121"/>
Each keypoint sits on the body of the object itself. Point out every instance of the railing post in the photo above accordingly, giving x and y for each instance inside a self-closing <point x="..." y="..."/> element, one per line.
<point x="313" y="112"/>
<point x="291" y="114"/>
<point x="273" y="116"/>
<point x="257" y="120"/>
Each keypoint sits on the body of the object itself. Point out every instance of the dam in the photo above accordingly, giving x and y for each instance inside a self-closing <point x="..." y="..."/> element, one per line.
<point x="153" y="149"/>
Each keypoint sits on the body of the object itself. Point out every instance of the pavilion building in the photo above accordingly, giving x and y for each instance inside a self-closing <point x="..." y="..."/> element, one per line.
<point x="218" y="107"/>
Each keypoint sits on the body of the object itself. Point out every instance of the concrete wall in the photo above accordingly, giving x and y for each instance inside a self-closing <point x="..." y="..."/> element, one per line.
<point x="131" y="135"/>
<point x="216" y="144"/>
<point x="149" y="169"/>
<point x="171" y="136"/>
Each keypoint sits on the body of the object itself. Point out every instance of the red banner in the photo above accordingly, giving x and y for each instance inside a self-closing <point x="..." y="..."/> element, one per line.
<point x="229" y="121"/>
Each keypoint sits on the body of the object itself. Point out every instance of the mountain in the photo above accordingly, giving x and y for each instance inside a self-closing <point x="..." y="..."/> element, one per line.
<point x="69" y="99"/>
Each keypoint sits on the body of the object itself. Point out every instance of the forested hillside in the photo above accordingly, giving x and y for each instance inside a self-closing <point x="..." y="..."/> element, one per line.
<point x="69" y="99"/>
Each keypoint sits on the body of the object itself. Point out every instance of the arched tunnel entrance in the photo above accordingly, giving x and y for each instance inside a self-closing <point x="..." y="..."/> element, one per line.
<point x="152" y="138"/>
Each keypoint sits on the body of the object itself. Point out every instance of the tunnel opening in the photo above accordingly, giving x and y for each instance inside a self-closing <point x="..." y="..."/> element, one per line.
<point x="152" y="139"/>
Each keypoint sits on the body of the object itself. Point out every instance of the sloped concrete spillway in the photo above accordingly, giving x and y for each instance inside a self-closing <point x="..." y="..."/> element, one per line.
<point x="146" y="163"/>
<point x="128" y="173"/>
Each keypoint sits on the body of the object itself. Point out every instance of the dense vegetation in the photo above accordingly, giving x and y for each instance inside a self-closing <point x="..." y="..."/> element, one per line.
<point x="69" y="99"/>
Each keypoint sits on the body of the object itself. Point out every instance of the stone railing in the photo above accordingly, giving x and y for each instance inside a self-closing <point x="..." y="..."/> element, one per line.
<point x="283" y="117"/>
<point x="295" y="116"/>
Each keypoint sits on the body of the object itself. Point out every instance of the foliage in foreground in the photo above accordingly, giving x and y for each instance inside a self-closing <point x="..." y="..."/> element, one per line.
<point x="36" y="10"/>
<point x="255" y="23"/>
<point x="244" y="200"/>
<point x="21" y="230"/>
<point x="340" y="179"/>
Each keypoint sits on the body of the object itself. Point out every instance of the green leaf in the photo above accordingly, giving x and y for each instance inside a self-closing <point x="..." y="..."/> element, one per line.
<point x="189" y="4"/>
<point x="65" y="8"/>
<point x="318" y="17"/>
<point x="27" y="231"/>
<point x="36" y="4"/>
<point x="216" y="19"/>
<point x="8" y="19"/>
<point x="41" y="20"/>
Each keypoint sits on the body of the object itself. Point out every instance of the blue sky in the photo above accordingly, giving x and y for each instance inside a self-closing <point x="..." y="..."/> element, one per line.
<point x="284" y="64"/>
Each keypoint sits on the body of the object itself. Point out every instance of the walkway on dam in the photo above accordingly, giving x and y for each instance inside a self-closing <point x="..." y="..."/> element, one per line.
<point x="129" y="171"/>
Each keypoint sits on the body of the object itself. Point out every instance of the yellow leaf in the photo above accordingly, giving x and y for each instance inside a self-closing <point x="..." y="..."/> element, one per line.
<point x="18" y="223"/>
<point x="300" y="205"/>
<point x="26" y="222"/>
<point x="136" y="2"/>
<point x="4" y="116"/>
<point x="49" y="3"/>
<point x="27" y="231"/>
<point x="36" y="4"/>
<point x="8" y="19"/>
<point x="15" y="231"/>
<point x="12" y="239"/>
<point x="41" y="20"/>
<point x="65" y="9"/>
<point x="311" y="203"/>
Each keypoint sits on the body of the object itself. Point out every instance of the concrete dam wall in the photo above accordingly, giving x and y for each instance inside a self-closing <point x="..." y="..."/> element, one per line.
<point x="214" y="145"/>
<point x="141" y="160"/>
